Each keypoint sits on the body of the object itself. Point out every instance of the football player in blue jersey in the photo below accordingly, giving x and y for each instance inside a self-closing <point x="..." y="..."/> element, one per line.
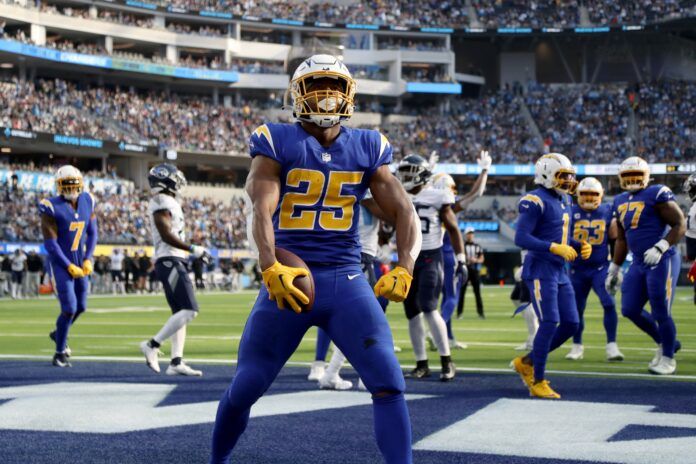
<point x="650" y="224"/>
<point x="593" y="222"/>
<point x="544" y="230"/>
<point x="69" y="228"/>
<point x="306" y="183"/>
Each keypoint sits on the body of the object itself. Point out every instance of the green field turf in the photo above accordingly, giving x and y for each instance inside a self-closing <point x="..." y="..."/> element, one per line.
<point x="113" y="327"/>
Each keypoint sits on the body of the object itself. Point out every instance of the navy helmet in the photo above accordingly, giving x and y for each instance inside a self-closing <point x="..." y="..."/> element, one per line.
<point x="166" y="178"/>
<point x="413" y="171"/>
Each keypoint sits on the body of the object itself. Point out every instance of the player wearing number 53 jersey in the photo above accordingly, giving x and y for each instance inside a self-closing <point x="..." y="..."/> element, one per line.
<point x="650" y="224"/>
<point x="544" y="230"/>
<point x="69" y="229"/>
<point x="305" y="184"/>
<point x="592" y="222"/>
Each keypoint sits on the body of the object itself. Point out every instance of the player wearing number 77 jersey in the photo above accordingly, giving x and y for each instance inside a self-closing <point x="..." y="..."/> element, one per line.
<point x="305" y="184"/>
<point x="544" y="230"/>
<point x="650" y="224"/>
<point x="69" y="228"/>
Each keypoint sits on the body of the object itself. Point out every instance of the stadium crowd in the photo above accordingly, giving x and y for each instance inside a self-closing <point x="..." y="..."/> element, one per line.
<point x="414" y="13"/>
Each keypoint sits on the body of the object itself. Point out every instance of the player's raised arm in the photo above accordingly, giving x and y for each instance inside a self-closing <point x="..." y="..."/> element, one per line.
<point x="398" y="210"/>
<point x="484" y="161"/>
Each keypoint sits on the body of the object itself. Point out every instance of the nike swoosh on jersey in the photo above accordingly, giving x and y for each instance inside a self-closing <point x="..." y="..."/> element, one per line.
<point x="351" y="277"/>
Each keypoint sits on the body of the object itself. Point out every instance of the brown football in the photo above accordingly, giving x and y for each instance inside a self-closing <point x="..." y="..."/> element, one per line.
<point x="304" y="284"/>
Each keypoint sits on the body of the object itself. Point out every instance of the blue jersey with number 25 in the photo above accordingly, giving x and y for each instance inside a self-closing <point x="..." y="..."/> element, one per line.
<point x="72" y="223"/>
<point x="320" y="188"/>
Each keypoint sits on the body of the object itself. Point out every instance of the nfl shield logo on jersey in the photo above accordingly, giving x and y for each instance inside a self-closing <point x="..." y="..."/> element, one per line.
<point x="326" y="157"/>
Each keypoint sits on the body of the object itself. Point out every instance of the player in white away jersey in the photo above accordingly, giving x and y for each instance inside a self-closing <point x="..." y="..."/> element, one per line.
<point x="690" y="190"/>
<point x="171" y="252"/>
<point x="434" y="208"/>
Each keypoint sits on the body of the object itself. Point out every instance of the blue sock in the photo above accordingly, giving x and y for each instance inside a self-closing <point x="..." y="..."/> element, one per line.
<point x="62" y="327"/>
<point x="323" y="342"/>
<point x="230" y="423"/>
<point x="647" y="324"/>
<point x="668" y="333"/>
<point x="393" y="428"/>
<point x="450" y="335"/>
<point x="577" y="336"/>
<point x="564" y="331"/>
<point x="611" y="322"/>
<point x="542" y="343"/>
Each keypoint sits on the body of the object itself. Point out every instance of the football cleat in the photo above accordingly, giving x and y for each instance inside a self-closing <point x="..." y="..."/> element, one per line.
<point x="150" y="356"/>
<point x="334" y="382"/>
<point x="68" y="351"/>
<point x="448" y="372"/>
<point x="576" y="352"/>
<point x="421" y="371"/>
<point x="455" y="345"/>
<point x="524" y="347"/>
<point x="317" y="370"/>
<point x="61" y="360"/>
<point x="542" y="389"/>
<point x="666" y="366"/>
<point x="183" y="369"/>
<point x="525" y="371"/>
<point x="613" y="353"/>
<point x="656" y="359"/>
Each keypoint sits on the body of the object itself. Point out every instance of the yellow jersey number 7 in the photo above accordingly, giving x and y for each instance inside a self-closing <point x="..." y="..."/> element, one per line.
<point x="315" y="182"/>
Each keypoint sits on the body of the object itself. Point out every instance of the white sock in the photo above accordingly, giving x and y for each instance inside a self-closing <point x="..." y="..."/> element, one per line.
<point x="178" y="341"/>
<point x="417" y="333"/>
<point x="174" y="323"/>
<point x="532" y="323"/>
<point x="438" y="330"/>
<point x="335" y="363"/>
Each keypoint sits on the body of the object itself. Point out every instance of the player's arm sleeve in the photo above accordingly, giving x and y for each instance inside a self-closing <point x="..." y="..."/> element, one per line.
<point x="50" y="242"/>
<point x="261" y="143"/>
<point x="664" y="194"/>
<point x="55" y="252"/>
<point x="384" y="152"/>
<point x="92" y="236"/>
<point x="530" y="212"/>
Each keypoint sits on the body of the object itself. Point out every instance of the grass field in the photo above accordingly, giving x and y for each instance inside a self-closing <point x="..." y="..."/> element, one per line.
<point x="114" y="326"/>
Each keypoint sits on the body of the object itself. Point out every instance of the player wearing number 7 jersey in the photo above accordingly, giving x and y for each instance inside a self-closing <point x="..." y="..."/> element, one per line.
<point x="305" y="184"/>
<point x="650" y="224"/>
<point x="544" y="230"/>
<point x="592" y="222"/>
<point x="69" y="228"/>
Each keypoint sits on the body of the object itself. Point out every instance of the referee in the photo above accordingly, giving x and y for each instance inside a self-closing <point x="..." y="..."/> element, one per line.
<point x="474" y="259"/>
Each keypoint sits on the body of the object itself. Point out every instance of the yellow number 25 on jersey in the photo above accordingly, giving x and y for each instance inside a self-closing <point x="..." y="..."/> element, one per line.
<point x="314" y="183"/>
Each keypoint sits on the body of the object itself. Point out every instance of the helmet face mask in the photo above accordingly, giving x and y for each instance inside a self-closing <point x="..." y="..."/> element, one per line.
<point x="565" y="181"/>
<point x="319" y="102"/>
<point x="69" y="182"/>
<point x="634" y="174"/>
<point x="413" y="171"/>
<point x="590" y="193"/>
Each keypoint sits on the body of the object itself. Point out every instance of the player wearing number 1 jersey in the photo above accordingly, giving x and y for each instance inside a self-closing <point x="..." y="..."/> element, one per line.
<point x="544" y="230"/>
<point x="592" y="222"/>
<point x="305" y="184"/>
<point x="650" y="224"/>
<point x="69" y="228"/>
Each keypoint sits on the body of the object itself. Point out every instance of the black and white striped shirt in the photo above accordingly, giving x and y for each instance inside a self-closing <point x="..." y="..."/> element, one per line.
<point x="472" y="250"/>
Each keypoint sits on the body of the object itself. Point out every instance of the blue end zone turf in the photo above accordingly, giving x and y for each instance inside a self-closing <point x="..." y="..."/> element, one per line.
<point x="123" y="413"/>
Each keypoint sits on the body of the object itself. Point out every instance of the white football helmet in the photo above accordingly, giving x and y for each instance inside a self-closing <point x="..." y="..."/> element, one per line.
<point x="555" y="171"/>
<point x="69" y="182"/>
<point x="443" y="181"/>
<point x="325" y="107"/>
<point x="590" y="193"/>
<point x="634" y="174"/>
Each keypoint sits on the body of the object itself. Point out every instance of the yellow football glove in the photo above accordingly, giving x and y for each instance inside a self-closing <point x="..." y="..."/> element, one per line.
<point x="564" y="251"/>
<point x="75" y="272"/>
<point x="585" y="250"/>
<point x="87" y="267"/>
<point x="394" y="285"/>
<point x="278" y="280"/>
